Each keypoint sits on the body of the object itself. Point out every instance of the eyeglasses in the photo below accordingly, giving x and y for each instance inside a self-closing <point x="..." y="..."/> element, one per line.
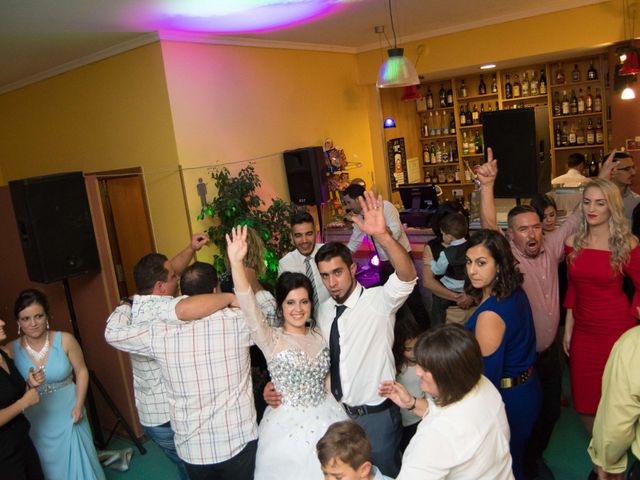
<point x="625" y="169"/>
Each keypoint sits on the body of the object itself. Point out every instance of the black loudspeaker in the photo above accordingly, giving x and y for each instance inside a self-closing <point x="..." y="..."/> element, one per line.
<point x="520" y="141"/>
<point x="54" y="224"/>
<point x="306" y="176"/>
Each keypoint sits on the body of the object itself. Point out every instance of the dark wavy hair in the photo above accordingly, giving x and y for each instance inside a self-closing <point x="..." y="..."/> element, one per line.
<point x="406" y="328"/>
<point x="540" y="202"/>
<point x="28" y="297"/>
<point x="290" y="281"/>
<point x="452" y="355"/>
<point x="508" y="278"/>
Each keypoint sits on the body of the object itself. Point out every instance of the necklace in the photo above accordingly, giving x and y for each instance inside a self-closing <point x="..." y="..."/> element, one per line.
<point x="37" y="356"/>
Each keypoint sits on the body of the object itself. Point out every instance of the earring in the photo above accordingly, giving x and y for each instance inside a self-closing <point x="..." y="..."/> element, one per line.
<point x="47" y="324"/>
<point x="18" y="329"/>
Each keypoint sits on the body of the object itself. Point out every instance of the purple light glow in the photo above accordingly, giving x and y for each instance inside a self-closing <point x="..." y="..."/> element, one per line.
<point x="244" y="19"/>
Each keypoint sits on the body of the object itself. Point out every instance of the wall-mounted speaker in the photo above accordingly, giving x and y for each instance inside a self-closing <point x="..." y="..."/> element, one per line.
<point x="306" y="175"/>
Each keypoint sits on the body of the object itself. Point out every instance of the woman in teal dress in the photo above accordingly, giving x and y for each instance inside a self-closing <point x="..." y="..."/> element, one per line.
<point x="503" y="326"/>
<point x="59" y="428"/>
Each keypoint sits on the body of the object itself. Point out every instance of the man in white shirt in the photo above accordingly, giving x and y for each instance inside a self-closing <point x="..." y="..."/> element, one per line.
<point x="358" y="325"/>
<point x="148" y="386"/>
<point x="574" y="177"/>
<point x="301" y="260"/>
<point x="206" y="372"/>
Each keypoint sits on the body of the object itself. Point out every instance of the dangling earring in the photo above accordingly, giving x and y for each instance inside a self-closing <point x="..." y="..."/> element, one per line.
<point x="18" y="329"/>
<point x="47" y="324"/>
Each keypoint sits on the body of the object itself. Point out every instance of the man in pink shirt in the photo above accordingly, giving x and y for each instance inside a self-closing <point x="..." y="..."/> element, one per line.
<point x="538" y="257"/>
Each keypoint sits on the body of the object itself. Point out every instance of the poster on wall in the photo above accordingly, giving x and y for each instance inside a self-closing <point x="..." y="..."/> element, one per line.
<point x="397" y="162"/>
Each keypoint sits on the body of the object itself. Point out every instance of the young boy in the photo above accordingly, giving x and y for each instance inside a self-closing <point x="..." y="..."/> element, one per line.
<point x="450" y="263"/>
<point x="345" y="453"/>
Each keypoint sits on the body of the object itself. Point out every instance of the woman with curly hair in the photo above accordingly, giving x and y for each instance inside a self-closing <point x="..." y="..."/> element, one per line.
<point x="599" y="254"/>
<point x="503" y="326"/>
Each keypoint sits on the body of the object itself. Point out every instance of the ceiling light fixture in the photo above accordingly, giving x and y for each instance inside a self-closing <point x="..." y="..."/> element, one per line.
<point x="397" y="70"/>
<point x="488" y="66"/>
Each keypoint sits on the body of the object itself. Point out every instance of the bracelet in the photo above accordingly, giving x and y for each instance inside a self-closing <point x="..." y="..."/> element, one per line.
<point x="415" y="399"/>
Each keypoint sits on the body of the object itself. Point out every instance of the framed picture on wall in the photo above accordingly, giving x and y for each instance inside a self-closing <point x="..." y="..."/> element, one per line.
<point x="397" y="157"/>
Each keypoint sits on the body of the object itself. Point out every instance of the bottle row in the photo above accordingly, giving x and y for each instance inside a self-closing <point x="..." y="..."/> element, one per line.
<point x="576" y="134"/>
<point x="473" y="116"/>
<point x="437" y="124"/>
<point x="583" y="102"/>
<point x="528" y="88"/>
<point x="593" y="166"/>
<point x="444" y="175"/>
<point x="445" y="98"/>
<point x="576" y="74"/>
<point x="435" y="153"/>
<point x="472" y="142"/>
<point x="482" y="87"/>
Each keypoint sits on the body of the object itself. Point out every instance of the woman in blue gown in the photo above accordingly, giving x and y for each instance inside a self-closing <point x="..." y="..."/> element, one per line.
<point x="503" y="326"/>
<point x="59" y="428"/>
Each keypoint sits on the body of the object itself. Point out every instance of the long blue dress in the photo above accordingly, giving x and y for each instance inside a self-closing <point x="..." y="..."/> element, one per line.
<point x="516" y="354"/>
<point x="66" y="449"/>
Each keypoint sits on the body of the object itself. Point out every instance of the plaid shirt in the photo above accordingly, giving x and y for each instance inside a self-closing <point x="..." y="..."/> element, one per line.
<point x="148" y="386"/>
<point x="206" y="368"/>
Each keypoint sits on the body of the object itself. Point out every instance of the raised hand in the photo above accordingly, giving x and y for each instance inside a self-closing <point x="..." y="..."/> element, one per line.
<point x="608" y="167"/>
<point x="199" y="240"/>
<point x="487" y="172"/>
<point x="237" y="244"/>
<point x="373" y="222"/>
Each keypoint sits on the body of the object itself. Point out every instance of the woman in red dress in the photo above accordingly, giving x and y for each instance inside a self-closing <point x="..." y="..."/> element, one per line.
<point x="599" y="254"/>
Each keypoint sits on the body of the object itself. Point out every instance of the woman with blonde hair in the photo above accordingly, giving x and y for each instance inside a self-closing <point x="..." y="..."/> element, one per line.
<point x="599" y="254"/>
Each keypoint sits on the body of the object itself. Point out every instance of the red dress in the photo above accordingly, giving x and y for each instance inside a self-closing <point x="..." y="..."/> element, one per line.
<point x="601" y="313"/>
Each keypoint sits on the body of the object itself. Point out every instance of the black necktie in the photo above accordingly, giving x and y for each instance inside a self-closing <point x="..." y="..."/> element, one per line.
<point x="334" y="354"/>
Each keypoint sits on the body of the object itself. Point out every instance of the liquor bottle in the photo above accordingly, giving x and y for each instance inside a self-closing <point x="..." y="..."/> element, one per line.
<point x="581" y="102"/>
<point x="588" y="101"/>
<point x="450" y="176"/>
<point x="427" y="176"/>
<point x="597" y="101"/>
<point x="559" y="75"/>
<point x="454" y="151"/>
<point x="463" y="90"/>
<point x="535" y="85"/>
<point x="475" y="115"/>
<point x="467" y="175"/>
<point x="490" y="107"/>
<point x="429" y="99"/>
<point x="572" y="134"/>
<point x="565" y="135"/>
<point x="445" y="153"/>
<point x="449" y="97"/>
<point x="443" y="96"/>
<point x="452" y="125"/>
<point x="594" y="167"/>
<point x="457" y="175"/>
<point x="557" y="106"/>
<point x="565" y="103"/>
<point x="580" y="140"/>
<point x="441" y="176"/>
<point x="437" y="124"/>
<point x="445" y="123"/>
<point x="591" y="134"/>
<point x="575" y="74"/>
<point x="497" y="106"/>
<point x="558" y="135"/>
<point x="430" y="124"/>
<point x="481" y="111"/>
<point x="525" y="85"/>
<point x="469" y="116"/>
<point x="543" y="83"/>
<point x="592" y="73"/>
<point x="573" y="106"/>
<point x="432" y="156"/>
<point x="599" y="132"/>
<point x="516" y="87"/>
<point x="438" y="154"/>
<point x="465" y="143"/>
<point x="478" y="143"/>
<point x="482" y="88"/>
<point x="494" y="84"/>
<point x="426" y="157"/>
<point x="463" y="116"/>
<point x="508" y="89"/>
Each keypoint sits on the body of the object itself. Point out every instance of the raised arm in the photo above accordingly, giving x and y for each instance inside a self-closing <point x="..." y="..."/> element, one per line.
<point x="608" y="167"/>
<point x="374" y="224"/>
<point x="487" y="173"/>
<point x="184" y="257"/>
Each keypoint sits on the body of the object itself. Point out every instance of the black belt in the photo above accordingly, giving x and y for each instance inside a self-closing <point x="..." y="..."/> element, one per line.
<point x="360" y="410"/>
<point x="517" y="380"/>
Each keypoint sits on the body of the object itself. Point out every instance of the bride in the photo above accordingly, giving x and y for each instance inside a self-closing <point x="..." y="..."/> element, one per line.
<point x="298" y="361"/>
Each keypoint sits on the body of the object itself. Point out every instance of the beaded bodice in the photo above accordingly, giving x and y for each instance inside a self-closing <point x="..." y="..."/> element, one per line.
<point x="299" y="377"/>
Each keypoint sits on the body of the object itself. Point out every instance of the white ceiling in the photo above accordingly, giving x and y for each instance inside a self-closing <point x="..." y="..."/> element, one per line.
<point x="41" y="38"/>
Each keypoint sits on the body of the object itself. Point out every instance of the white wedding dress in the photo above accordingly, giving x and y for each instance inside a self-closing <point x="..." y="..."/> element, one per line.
<point x="298" y="365"/>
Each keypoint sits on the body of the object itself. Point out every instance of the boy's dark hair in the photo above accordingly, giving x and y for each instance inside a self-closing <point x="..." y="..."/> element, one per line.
<point x="345" y="441"/>
<point x="452" y="355"/>
<point x="198" y="278"/>
<point x="518" y="210"/>
<point x="575" y="160"/>
<point x="334" y="249"/>
<point x="455" y="224"/>
<point x="301" y="216"/>
<point x="149" y="270"/>
<point x="353" y="190"/>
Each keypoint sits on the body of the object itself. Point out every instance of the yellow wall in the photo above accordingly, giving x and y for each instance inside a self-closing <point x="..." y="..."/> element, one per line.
<point x="233" y="104"/>
<point x="109" y="115"/>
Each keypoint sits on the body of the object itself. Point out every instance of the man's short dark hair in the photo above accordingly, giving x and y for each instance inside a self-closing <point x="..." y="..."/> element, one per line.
<point x="345" y="441"/>
<point x="301" y="216"/>
<point x="198" y="278"/>
<point x="455" y="224"/>
<point x="575" y="160"/>
<point x="149" y="270"/>
<point x="619" y="156"/>
<point x="334" y="249"/>
<point x="353" y="191"/>
<point x="519" y="210"/>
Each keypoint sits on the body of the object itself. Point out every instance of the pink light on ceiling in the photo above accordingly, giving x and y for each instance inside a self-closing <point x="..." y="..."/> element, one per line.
<point x="238" y="16"/>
